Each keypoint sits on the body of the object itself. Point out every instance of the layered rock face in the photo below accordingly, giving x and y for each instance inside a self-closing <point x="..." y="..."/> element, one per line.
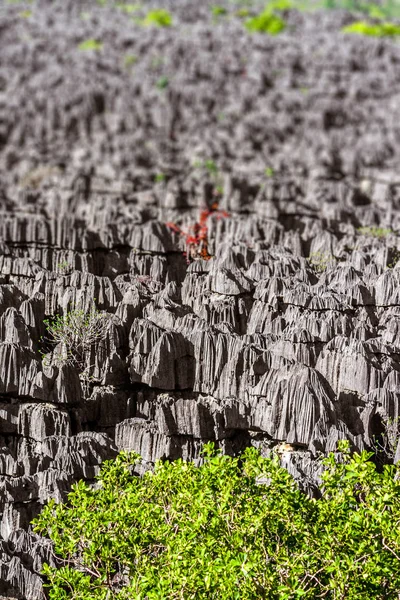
<point x="233" y="201"/>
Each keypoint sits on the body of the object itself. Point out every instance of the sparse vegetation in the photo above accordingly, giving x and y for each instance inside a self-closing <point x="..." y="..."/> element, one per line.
<point x="159" y="177"/>
<point x="130" y="60"/>
<point x="395" y="257"/>
<point x="218" y="11"/>
<point x="74" y="334"/>
<point x="269" y="171"/>
<point x="158" y="18"/>
<point x="63" y="267"/>
<point x="320" y="261"/>
<point x="386" y="444"/>
<point x="242" y="13"/>
<point x="266" y="22"/>
<point x="387" y="9"/>
<point x="162" y="82"/>
<point x="373" y="231"/>
<point x="90" y="44"/>
<point x="211" y="167"/>
<point x="129" y="8"/>
<point x="373" y="29"/>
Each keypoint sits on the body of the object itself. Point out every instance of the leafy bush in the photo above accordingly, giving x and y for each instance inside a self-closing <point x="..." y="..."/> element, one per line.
<point x="373" y="29"/>
<point x="233" y="528"/>
<point x="266" y="22"/>
<point x="90" y="45"/>
<point x="159" y="18"/>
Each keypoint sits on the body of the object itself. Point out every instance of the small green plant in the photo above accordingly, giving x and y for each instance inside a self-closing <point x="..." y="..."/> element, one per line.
<point x="320" y="261"/>
<point x="159" y="177"/>
<point x="388" y="442"/>
<point x="386" y="9"/>
<point x="130" y="60"/>
<point x="269" y="171"/>
<point x="162" y="82"/>
<point x="218" y="11"/>
<point x="211" y="167"/>
<point x="74" y="334"/>
<point x="63" y="266"/>
<point x="281" y="5"/>
<point x="158" y="18"/>
<point x="128" y="8"/>
<point x="394" y="259"/>
<point x="265" y="22"/>
<point x="25" y="14"/>
<point x="373" y="231"/>
<point x="90" y="44"/>
<point x="373" y="29"/>
<point x="242" y="13"/>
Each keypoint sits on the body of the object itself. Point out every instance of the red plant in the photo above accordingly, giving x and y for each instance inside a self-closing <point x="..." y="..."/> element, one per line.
<point x="196" y="238"/>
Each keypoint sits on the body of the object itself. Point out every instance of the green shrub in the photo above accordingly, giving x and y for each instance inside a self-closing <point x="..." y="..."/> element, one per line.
<point x="218" y="11"/>
<point x="373" y="29"/>
<point x="269" y="171"/>
<point x="130" y="60"/>
<point x="373" y="231"/>
<point x="128" y="8"/>
<point x="320" y="261"/>
<point x="280" y="5"/>
<point x="162" y="82"/>
<point x="90" y="45"/>
<point x="265" y="22"/>
<point x="158" y="18"/>
<point x="75" y="334"/>
<point x="242" y="12"/>
<point x="231" y="529"/>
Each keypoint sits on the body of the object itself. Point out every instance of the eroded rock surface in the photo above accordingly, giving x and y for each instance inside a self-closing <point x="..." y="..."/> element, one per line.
<point x="233" y="201"/>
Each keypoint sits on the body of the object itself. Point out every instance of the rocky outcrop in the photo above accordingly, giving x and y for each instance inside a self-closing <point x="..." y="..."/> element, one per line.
<point x="232" y="202"/>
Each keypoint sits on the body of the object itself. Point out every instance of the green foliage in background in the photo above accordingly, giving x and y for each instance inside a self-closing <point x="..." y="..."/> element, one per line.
<point x="158" y="18"/>
<point x="130" y="60"/>
<point x="374" y="231"/>
<point x="266" y="22"/>
<point x="218" y="11"/>
<point x="388" y="9"/>
<point x="162" y="82"/>
<point x="231" y="529"/>
<point x="128" y="8"/>
<point x="374" y="29"/>
<point x="90" y="45"/>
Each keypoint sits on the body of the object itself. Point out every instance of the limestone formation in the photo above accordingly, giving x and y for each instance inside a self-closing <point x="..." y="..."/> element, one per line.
<point x="232" y="201"/>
